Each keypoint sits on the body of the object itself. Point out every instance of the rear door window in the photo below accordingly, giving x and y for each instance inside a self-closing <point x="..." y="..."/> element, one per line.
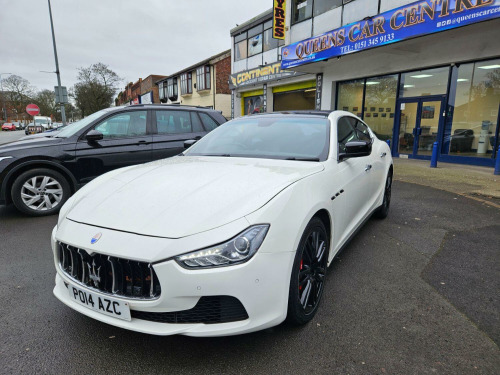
<point x="173" y="122"/>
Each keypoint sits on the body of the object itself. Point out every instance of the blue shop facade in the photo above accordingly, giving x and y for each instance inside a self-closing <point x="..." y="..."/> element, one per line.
<point x="417" y="74"/>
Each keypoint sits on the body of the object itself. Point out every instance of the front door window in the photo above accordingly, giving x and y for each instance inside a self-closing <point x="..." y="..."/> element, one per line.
<point x="407" y="124"/>
<point x="429" y="124"/>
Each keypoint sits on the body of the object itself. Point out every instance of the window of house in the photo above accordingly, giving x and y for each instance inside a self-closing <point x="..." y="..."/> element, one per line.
<point x="476" y="109"/>
<point x="203" y="78"/>
<point x="301" y="10"/>
<point x="160" y="90"/>
<point x="240" y="46"/>
<point x="322" y="6"/>
<point x="172" y="89"/>
<point x="186" y="83"/>
<point x="269" y="42"/>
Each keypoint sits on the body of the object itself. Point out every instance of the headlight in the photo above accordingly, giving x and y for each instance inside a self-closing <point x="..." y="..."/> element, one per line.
<point x="237" y="250"/>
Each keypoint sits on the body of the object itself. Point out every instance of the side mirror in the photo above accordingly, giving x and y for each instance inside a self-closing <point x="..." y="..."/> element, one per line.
<point x="356" y="149"/>
<point x="189" y="143"/>
<point x="94" y="136"/>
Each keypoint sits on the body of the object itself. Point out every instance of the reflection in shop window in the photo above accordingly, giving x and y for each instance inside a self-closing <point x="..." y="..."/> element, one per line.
<point x="351" y="96"/>
<point x="424" y="82"/>
<point x="301" y="10"/>
<point x="253" y="104"/>
<point x="476" y="109"/>
<point x="380" y="104"/>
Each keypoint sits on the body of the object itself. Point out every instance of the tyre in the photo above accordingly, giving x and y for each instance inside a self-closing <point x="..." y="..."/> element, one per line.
<point x="308" y="273"/>
<point x="40" y="192"/>
<point x="383" y="211"/>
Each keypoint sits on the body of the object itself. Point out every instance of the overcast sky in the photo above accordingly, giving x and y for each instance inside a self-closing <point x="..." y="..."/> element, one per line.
<point x="134" y="37"/>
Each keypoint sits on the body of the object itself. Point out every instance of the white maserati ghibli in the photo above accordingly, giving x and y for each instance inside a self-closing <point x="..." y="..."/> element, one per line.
<point x="232" y="236"/>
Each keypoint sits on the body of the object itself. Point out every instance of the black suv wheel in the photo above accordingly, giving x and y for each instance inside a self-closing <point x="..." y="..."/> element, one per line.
<point x="40" y="192"/>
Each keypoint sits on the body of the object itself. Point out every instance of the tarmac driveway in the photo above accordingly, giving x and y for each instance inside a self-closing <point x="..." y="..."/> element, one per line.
<point x="417" y="293"/>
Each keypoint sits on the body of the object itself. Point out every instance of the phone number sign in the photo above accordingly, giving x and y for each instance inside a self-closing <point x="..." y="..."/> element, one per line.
<point x="416" y="19"/>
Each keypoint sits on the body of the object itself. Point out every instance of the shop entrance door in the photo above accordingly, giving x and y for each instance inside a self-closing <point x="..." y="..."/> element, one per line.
<point x="418" y="124"/>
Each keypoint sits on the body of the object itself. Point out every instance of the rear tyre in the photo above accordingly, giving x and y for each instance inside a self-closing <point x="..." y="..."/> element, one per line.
<point x="308" y="274"/>
<point x="383" y="211"/>
<point x="40" y="192"/>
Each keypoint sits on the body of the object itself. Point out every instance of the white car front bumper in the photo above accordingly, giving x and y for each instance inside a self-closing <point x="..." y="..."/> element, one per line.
<point x="261" y="285"/>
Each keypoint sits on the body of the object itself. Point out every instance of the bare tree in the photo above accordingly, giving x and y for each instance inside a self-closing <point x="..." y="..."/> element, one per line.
<point x="18" y="91"/>
<point x="95" y="89"/>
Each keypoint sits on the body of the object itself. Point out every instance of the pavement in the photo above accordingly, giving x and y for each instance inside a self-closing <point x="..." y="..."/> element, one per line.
<point x="468" y="180"/>
<point x="416" y="293"/>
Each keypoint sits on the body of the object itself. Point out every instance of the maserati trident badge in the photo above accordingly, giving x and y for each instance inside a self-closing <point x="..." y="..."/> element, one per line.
<point x="95" y="238"/>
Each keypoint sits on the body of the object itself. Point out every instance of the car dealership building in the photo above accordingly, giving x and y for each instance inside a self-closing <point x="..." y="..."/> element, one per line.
<point x="416" y="72"/>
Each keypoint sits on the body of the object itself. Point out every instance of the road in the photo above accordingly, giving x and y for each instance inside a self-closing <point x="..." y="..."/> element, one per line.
<point x="416" y="293"/>
<point x="10" y="136"/>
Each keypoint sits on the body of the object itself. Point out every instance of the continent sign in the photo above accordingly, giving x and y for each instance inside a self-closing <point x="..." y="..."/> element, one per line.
<point x="32" y="109"/>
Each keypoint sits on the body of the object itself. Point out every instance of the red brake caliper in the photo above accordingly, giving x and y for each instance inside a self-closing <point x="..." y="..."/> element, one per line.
<point x="301" y="266"/>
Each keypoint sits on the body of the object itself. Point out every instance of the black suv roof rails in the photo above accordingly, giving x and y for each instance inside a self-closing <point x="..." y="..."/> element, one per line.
<point x="171" y="105"/>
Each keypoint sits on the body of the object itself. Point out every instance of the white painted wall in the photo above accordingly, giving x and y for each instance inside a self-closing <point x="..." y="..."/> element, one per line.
<point x="270" y="56"/>
<point x="327" y="21"/>
<point x="300" y="31"/>
<point x="359" y="9"/>
<point x="386" y="5"/>
<point x="254" y="61"/>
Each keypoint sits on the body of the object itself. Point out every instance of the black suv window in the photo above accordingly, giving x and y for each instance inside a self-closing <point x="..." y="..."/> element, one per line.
<point x="129" y="124"/>
<point x="175" y="122"/>
<point x="208" y="122"/>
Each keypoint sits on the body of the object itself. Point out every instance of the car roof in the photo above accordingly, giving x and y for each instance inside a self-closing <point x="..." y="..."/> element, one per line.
<point x="302" y="113"/>
<point x="181" y="107"/>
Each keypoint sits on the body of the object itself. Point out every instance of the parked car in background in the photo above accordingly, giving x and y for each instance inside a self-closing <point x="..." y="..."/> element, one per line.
<point x="39" y="174"/>
<point x="26" y="128"/>
<point x="8" y="126"/>
<point x="233" y="236"/>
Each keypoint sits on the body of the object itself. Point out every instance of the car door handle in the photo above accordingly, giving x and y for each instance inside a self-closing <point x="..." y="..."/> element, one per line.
<point x="368" y="167"/>
<point x="382" y="155"/>
<point x="142" y="142"/>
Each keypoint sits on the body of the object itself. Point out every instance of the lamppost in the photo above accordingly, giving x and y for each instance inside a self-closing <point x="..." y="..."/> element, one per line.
<point x="63" y="113"/>
<point x="3" y="96"/>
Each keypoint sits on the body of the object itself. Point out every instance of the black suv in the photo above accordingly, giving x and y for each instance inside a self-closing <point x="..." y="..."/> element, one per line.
<point x="39" y="174"/>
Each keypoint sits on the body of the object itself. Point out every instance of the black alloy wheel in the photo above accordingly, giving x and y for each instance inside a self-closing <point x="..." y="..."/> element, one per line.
<point x="308" y="273"/>
<point x="383" y="210"/>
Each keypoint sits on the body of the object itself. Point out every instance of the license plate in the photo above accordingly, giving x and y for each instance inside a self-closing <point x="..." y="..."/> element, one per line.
<point x="104" y="305"/>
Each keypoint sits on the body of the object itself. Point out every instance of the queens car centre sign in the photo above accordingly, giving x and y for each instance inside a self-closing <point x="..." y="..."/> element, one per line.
<point x="416" y="19"/>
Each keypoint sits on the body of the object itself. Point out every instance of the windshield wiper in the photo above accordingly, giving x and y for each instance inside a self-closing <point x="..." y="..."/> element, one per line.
<point x="224" y="155"/>
<point x="302" y="159"/>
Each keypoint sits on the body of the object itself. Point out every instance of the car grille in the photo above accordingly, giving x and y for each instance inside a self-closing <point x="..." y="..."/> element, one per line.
<point x="208" y="310"/>
<point x="107" y="274"/>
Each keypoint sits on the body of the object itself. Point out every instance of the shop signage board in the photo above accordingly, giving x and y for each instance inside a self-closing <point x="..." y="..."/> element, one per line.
<point x="263" y="74"/>
<point x="279" y="10"/>
<point x="147" y="98"/>
<point x="319" y="91"/>
<point x="409" y="21"/>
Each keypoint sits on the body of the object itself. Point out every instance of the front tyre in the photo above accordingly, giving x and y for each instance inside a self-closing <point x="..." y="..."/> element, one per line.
<point x="308" y="273"/>
<point x="383" y="210"/>
<point x="40" y="192"/>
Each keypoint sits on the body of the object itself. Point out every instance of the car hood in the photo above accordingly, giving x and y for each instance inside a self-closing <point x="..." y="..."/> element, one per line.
<point x="185" y="195"/>
<point x="30" y="143"/>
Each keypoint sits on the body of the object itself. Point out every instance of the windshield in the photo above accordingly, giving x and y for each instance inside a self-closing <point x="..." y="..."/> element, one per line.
<point x="41" y="121"/>
<point x="272" y="137"/>
<point x="75" y="127"/>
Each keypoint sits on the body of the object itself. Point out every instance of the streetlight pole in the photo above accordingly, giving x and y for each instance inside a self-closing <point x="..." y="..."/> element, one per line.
<point x="63" y="113"/>
<point x="3" y="97"/>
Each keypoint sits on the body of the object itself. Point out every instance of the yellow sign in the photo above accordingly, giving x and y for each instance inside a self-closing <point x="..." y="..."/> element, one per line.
<point x="279" y="19"/>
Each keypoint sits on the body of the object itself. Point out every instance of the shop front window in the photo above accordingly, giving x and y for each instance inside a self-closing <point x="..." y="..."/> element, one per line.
<point x="294" y="100"/>
<point x="475" y="117"/>
<point x="253" y="104"/>
<point x="424" y="82"/>
<point x="350" y="96"/>
<point x="380" y="105"/>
